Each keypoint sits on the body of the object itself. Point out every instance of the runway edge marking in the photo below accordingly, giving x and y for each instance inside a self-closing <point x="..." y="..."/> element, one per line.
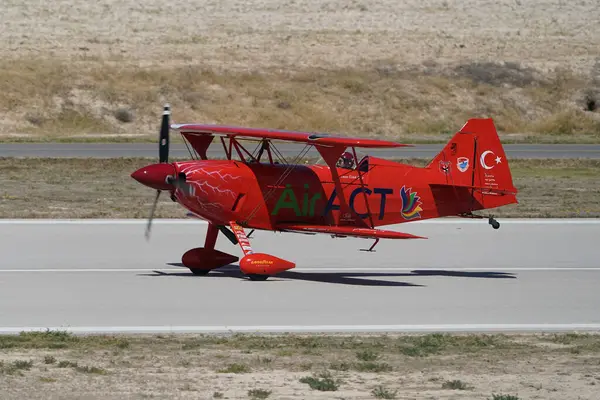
<point x="185" y="221"/>
<point x="305" y="269"/>
<point x="457" y="328"/>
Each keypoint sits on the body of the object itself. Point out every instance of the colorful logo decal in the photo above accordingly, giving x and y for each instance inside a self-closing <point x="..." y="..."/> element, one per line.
<point x="445" y="167"/>
<point x="462" y="163"/>
<point x="410" y="204"/>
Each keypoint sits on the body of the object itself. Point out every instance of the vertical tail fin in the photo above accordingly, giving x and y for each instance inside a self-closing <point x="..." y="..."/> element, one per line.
<point x="475" y="159"/>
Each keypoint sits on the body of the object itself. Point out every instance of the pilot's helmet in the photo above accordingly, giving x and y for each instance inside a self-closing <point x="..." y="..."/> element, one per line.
<point x="347" y="156"/>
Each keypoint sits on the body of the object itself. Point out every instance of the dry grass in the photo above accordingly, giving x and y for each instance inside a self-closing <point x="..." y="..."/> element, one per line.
<point x="46" y="100"/>
<point x="414" y="70"/>
<point x="103" y="188"/>
<point x="52" y="364"/>
<point x="555" y="188"/>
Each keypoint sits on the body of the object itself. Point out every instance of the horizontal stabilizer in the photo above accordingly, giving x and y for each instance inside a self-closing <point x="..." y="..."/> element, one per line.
<point x="459" y="199"/>
<point x="349" y="231"/>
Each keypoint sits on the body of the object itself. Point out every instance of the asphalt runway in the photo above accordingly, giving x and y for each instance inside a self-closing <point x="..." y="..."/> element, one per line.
<point x="102" y="276"/>
<point x="101" y="150"/>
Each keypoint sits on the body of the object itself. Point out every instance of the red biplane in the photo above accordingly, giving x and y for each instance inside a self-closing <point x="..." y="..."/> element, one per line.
<point x="345" y="197"/>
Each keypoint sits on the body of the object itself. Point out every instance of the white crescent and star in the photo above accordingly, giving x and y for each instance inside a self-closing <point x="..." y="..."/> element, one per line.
<point x="482" y="159"/>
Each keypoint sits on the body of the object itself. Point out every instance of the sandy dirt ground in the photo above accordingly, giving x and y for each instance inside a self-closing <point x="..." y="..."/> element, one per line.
<point x="433" y="367"/>
<point x="305" y="33"/>
<point x="401" y="70"/>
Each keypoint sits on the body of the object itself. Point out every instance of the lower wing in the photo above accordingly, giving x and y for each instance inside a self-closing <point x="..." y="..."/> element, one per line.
<point x="347" y="231"/>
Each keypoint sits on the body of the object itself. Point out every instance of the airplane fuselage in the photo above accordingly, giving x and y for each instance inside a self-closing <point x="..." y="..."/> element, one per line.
<point x="385" y="193"/>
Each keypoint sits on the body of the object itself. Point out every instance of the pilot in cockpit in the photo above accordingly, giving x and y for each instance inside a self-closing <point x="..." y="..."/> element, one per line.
<point x="346" y="160"/>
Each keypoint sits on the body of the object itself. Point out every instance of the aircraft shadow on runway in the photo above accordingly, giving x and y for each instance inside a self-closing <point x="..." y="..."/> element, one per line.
<point x="342" y="278"/>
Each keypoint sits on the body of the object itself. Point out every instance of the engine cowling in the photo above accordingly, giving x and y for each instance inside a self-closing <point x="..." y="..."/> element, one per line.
<point x="264" y="264"/>
<point x="201" y="258"/>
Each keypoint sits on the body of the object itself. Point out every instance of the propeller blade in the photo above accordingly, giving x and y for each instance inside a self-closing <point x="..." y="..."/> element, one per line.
<point x="163" y="139"/>
<point x="163" y="157"/>
<point x="152" y="214"/>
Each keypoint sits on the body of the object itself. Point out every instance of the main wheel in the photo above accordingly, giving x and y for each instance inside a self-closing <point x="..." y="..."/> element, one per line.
<point x="257" y="277"/>
<point x="199" y="272"/>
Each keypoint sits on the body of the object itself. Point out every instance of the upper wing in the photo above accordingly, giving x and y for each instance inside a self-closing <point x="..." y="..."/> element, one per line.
<point x="276" y="134"/>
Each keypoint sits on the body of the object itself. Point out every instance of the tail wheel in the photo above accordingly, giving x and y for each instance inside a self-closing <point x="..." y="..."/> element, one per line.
<point x="495" y="224"/>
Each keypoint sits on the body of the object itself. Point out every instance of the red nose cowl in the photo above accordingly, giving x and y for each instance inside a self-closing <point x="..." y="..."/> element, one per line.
<point x="155" y="176"/>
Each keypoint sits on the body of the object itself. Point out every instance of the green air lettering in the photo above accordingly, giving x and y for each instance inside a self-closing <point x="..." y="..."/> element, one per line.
<point x="313" y="200"/>
<point x="284" y="203"/>
<point x="308" y="205"/>
<point x="305" y="201"/>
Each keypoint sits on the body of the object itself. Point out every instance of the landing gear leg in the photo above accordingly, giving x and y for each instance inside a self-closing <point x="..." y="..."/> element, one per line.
<point x="211" y="236"/>
<point x="491" y="220"/>
<point x="370" y="249"/>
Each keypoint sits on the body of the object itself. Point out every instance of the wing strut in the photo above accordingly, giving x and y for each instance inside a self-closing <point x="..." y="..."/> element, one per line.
<point x="362" y="184"/>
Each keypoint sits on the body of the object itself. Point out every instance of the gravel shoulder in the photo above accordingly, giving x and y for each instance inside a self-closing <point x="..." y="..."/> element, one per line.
<point x="51" y="365"/>
<point x="103" y="188"/>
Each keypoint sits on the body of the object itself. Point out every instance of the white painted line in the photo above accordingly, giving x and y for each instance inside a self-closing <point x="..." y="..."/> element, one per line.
<point x="93" y="270"/>
<point x="507" y="221"/>
<point x="100" y="222"/>
<point x="449" y="269"/>
<point x="460" y="221"/>
<point x="309" y="269"/>
<point x="312" y="328"/>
